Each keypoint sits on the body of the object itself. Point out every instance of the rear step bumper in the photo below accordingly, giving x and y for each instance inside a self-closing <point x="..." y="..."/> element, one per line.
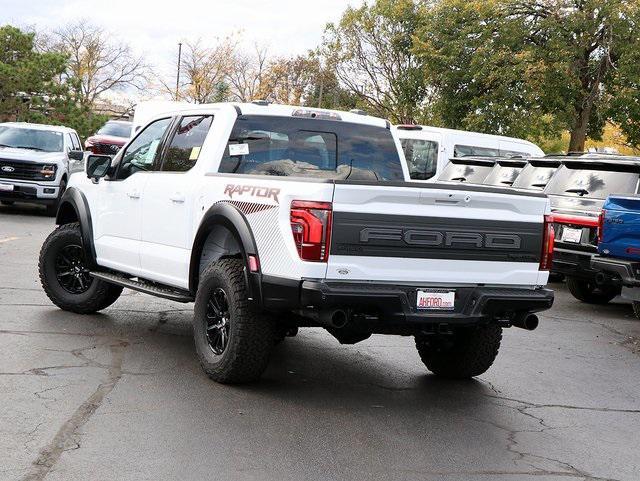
<point x="573" y="263"/>
<point x="626" y="270"/>
<point x="395" y="304"/>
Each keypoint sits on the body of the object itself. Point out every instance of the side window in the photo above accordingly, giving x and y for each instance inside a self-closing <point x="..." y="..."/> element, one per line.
<point x="466" y="150"/>
<point x="76" y="142"/>
<point x="69" y="142"/>
<point x="422" y="157"/>
<point x="140" y="154"/>
<point x="184" y="148"/>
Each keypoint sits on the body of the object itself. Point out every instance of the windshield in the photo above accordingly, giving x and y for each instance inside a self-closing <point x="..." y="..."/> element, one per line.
<point x="300" y="147"/>
<point x="466" y="172"/>
<point x="591" y="183"/>
<point x="422" y="157"/>
<point x="534" y="177"/>
<point x="116" y="129"/>
<point x="33" y="139"/>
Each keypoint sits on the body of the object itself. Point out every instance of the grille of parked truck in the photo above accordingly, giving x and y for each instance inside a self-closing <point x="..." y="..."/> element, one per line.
<point x="272" y="218"/>
<point x="36" y="162"/>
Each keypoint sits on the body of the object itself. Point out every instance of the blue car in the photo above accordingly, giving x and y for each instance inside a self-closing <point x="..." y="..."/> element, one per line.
<point x="618" y="259"/>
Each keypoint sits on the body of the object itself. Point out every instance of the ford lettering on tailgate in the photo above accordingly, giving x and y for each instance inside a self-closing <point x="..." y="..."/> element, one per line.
<point x="382" y="235"/>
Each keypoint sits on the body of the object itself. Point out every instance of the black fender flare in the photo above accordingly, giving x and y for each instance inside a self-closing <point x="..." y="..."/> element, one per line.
<point x="229" y="216"/>
<point x="74" y="200"/>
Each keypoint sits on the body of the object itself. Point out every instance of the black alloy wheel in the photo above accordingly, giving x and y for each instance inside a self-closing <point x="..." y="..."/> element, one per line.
<point x="71" y="271"/>
<point x="218" y="321"/>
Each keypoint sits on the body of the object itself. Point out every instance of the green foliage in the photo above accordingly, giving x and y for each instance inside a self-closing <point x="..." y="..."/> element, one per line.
<point x="529" y="68"/>
<point x="31" y="89"/>
<point x="372" y="51"/>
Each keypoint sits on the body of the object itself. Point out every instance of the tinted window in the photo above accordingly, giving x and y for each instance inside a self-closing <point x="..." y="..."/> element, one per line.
<point x="502" y="175"/>
<point x="116" y="129"/>
<point x="289" y="146"/>
<point x="422" y="157"/>
<point x="471" y="150"/>
<point x="466" y="172"/>
<point x="534" y="177"/>
<point x="141" y="154"/>
<point x="184" y="149"/>
<point x="33" y="139"/>
<point x="591" y="183"/>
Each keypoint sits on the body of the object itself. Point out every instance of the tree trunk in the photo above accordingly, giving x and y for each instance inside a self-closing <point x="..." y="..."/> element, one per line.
<point x="579" y="130"/>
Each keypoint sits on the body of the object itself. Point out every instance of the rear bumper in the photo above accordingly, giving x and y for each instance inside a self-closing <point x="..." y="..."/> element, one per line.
<point x="625" y="270"/>
<point x="395" y="304"/>
<point x="573" y="264"/>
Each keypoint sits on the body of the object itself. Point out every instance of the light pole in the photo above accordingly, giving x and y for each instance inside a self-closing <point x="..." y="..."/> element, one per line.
<point x="178" y="74"/>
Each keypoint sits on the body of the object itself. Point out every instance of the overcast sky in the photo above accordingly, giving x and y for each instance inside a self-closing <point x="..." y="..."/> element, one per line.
<point x="154" y="28"/>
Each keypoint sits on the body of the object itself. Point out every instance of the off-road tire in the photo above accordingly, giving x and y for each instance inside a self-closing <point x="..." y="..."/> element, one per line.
<point x="470" y="353"/>
<point x="636" y="309"/>
<point x="252" y="334"/>
<point x="589" y="292"/>
<point x="100" y="294"/>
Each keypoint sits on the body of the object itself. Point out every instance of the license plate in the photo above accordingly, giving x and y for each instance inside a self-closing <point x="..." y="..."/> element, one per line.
<point x="6" y="187"/>
<point x="571" y="235"/>
<point x="436" y="300"/>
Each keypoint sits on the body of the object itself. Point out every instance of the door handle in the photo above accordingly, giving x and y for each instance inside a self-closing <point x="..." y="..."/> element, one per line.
<point x="134" y="194"/>
<point x="177" y="197"/>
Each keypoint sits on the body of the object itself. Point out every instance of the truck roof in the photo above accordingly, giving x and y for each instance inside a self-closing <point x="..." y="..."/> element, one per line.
<point x="28" y="125"/>
<point x="260" y="108"/>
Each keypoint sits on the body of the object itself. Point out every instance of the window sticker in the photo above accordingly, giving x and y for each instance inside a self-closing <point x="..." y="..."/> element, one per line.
<point x="238" y="149"/>
<point x="195" y="153"/>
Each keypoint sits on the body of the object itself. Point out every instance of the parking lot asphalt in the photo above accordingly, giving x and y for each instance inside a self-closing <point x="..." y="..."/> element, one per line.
<point x="120" y="396"/>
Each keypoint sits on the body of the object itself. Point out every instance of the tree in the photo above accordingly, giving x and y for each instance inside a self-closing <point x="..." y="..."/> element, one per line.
<point x="97" y="63"/>
<point x="530" y="67"/>
<point x="246" y="74"/>
<point x="287" y="80"/>
<point x="372" y="51"/>
<point x="205" y="71"/>
<point x="32" y="88"/>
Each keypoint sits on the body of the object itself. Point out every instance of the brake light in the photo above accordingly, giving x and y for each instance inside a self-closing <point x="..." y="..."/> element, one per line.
<point x="548" y="239"/>
<point x="311" y="229"/>
<point x="601" y="225"/>
<point x="575" y="220"/>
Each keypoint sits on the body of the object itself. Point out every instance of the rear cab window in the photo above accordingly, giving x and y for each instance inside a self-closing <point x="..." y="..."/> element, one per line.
<point x="422" y="157"/>
<point x="467" y="170"/>
<point x="594" y="180"/>
<point x="183" y="151"/>
<point x="305" y="147"/>
<point x="504" y="173"/>
<point x="536" y="176"/>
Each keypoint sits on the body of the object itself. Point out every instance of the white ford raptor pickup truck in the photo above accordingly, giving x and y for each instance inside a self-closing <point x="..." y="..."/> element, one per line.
<point x="272" y="218"/>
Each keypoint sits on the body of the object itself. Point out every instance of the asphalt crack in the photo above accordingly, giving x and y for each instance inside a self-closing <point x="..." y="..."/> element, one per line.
<point x="67" y="437"/>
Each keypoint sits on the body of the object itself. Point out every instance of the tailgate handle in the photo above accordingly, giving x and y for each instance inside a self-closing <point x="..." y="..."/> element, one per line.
<point x="444" y="198"/>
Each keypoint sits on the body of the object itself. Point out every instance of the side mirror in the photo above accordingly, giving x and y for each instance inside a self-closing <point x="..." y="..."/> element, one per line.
<point x="76" y="155"/>
<point x="98" y="166"/>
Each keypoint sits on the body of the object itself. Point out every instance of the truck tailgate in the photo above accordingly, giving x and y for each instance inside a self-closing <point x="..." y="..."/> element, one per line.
<point x="436" y="234"/>
<point x="621" y="227"/>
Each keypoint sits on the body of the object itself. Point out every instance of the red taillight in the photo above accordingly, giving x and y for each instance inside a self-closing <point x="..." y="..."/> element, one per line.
<point x="254" y="264"/>
<point x="548" y="239"/>
<point x="575" y="220"/>
<point x="311" y="228"/>
<point x="601" y="225"/>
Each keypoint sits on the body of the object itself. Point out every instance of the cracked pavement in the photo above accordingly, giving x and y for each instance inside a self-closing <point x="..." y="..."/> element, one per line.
<point x="120" y="396"/>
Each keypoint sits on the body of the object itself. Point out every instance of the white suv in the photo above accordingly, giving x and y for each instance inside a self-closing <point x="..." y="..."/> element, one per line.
<point x="36" y="162"/>
<point x="273" y="217"/>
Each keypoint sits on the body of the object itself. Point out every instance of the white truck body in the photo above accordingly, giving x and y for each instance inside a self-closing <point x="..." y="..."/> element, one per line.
<point x="428" y="149"/>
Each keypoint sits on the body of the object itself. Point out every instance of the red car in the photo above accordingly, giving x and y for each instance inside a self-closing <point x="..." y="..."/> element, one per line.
<point x="110" y="138"/>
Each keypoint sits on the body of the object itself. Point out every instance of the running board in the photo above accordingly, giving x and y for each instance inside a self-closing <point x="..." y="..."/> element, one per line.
<point x="171" y="293"/>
